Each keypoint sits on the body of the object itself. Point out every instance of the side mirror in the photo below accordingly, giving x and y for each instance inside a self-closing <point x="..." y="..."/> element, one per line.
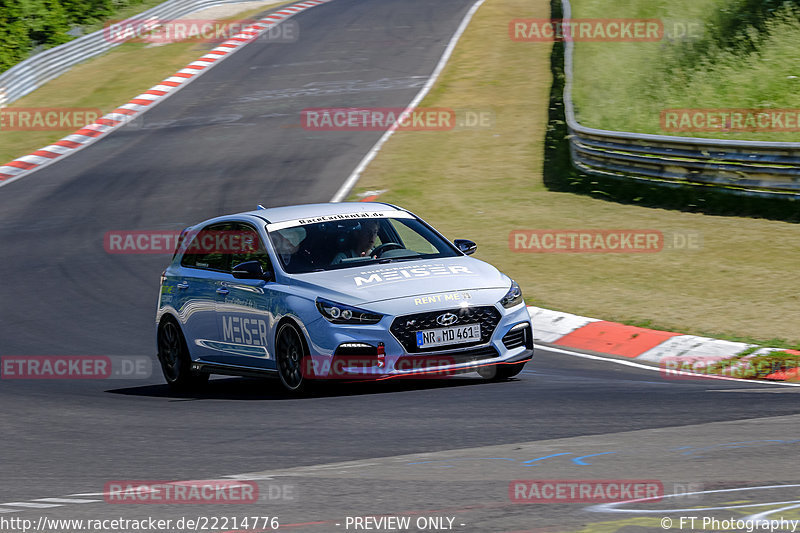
<point x="466" y="246"/>
<point x="251" y="270"/>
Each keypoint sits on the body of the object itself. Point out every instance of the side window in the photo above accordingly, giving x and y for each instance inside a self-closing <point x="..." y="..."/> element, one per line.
<point x="203" y="252"/>
<point x="251" y="249"/>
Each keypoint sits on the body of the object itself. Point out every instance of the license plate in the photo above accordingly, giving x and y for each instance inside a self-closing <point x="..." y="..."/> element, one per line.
<point x="453" y="335"/>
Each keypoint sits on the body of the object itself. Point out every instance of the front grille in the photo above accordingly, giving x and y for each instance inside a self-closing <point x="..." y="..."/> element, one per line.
<point x="519" y="337"/>
<point x="409" y="363"/>
<point x="404" y="328"/>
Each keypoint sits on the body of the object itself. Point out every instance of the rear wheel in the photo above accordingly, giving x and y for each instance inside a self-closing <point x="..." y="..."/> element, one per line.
<point x="290" y="355"/>
<point x="500" y="372"/>
<point x="174" y="358"/>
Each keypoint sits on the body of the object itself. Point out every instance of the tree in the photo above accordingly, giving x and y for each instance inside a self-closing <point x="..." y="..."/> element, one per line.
<point x="47" y="22"/>
<point x="13" y="33"/>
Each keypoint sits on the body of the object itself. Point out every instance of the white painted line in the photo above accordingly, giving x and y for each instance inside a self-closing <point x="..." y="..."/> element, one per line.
<point x="678" y="374"/>
<point x="65" y="500"/>
<point x="350" y="182"/>
<point x="769" y="391"/>
<point x="32" y="505"/>
<point x="9" y="510"/>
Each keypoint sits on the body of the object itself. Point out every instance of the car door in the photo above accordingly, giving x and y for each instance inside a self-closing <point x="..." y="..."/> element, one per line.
<point x="243" y="305"/>
<point x="203" y="270"/>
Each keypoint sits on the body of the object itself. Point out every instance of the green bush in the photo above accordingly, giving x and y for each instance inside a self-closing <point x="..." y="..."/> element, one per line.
<point x="13" y="33"/>
<point x="85" y="11"/>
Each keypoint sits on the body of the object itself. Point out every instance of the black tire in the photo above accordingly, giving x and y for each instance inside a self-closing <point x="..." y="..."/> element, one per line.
<point x="174" y="358"/>
<point x="290" y="356"/>
<point x="500" y="372"/>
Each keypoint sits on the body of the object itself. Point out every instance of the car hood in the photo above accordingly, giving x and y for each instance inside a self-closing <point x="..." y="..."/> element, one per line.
<point x="376" y="282"/>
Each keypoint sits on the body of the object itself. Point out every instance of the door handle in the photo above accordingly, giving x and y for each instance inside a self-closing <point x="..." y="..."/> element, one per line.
<point x="222" y="290"/>
<point x="182" y="285"/>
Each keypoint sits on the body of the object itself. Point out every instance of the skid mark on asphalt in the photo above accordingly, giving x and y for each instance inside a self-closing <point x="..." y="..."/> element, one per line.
<point x="336" y="87"/>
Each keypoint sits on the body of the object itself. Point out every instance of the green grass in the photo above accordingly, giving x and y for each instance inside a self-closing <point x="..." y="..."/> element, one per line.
<point x="756" y="367"/>
<point x="483" y="184"/>
<point x="754" y="65"/>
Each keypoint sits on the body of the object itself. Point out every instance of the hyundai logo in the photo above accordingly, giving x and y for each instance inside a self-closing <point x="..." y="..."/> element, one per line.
<point x="447" y="319"/>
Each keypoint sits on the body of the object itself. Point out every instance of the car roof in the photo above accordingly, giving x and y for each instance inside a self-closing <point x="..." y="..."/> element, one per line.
<point x="293" y="212"/>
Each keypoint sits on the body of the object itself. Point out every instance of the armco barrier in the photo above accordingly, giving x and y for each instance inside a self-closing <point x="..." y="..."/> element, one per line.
<point x="30" y="74"/>
<point x="745" y="167"/>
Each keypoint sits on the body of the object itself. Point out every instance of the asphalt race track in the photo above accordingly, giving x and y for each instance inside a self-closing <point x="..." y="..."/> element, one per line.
<point x="421" y="449"/>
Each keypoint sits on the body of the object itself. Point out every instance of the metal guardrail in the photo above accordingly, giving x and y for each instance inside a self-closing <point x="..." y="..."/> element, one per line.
<point x="746" y="167"/>
<point x="33" y="72"/>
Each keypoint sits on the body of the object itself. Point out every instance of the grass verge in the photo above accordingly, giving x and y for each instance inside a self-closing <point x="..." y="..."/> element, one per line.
<point x="735" y="55"/>
<point x="484" y="183"/>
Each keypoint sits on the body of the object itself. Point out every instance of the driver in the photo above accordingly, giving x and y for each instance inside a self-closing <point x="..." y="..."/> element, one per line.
<point x="362" y="241"/>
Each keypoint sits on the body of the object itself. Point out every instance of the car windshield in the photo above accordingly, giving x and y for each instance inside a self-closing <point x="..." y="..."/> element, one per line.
<point x="335" y="244"/>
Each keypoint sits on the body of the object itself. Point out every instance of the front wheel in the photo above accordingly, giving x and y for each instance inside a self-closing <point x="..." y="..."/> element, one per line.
<point x="174" y="358"/>
<point x="290" y="356"/>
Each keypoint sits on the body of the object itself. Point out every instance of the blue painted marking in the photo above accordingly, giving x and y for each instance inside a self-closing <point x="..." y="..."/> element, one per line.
<point x="578" y="461"/>
<point x="545" y="457"/>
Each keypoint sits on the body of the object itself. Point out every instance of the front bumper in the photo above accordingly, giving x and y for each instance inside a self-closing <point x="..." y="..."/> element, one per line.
<point x="378" y="353"/>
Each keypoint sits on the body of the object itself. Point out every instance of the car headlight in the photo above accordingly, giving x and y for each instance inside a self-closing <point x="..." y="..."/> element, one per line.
<point x="346" y="314"/>
<point x="513" y="296"/>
